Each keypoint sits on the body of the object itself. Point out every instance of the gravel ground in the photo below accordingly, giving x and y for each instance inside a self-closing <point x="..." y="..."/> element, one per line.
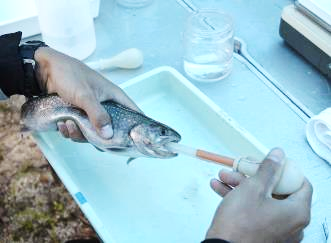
<point x="34" y="205"/>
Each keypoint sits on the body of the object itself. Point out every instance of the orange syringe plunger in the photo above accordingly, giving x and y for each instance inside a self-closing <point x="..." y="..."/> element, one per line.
<point x="215" y="158"/>
<point x="202" y="154"/>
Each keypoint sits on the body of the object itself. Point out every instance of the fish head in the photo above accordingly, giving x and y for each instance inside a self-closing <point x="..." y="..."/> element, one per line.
<point x="151" y="139"/>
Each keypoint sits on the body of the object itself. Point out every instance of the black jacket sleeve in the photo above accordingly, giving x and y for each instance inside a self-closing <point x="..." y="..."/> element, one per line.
<point x="215" y="241"/>
<point x="12" y="75"/>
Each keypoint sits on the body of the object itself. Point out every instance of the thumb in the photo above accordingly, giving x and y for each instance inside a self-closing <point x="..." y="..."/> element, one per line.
<point x="270" y="170"/>
<point x="303" y="195"/>
<point x="98" y="116"/>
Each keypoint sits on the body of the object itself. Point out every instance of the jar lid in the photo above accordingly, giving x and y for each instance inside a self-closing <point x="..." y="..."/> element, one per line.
<point x="206" y="22"/>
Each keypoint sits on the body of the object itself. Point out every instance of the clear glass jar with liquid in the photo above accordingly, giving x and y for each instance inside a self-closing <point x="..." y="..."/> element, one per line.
<point x="208" y="45"/>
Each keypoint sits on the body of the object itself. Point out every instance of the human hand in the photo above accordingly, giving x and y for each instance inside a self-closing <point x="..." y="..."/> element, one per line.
<point x="79" y="85"/>
<point x="249" y="213"/>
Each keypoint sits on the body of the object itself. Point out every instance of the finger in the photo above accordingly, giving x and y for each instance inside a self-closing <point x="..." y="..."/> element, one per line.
<point x="231" y="178"/>
<point x="74" y="132"/>
<point x="296" y="238"/>
<point x="220" y="188"/>
<point x="301" y="199"/>
<point x="98" y="116"/>
<point x="270" y="170"/>
<point x="63" y="129"/>
<point x="304" y="194"/>
<point x="78" y="135"/>
<point x="297" y="207"/>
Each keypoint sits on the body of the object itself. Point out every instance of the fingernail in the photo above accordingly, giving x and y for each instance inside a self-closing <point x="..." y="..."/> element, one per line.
<point x="71" y="128"/>
<point x="214" y="183"/>
<point x="106" y="131"/>
<point x="277" y="155"/>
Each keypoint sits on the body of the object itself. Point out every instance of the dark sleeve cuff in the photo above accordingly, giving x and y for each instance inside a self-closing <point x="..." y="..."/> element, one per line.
<point x="12" y="71"/>
<point x="215" y="241"/>
<point x="11" y="66"/>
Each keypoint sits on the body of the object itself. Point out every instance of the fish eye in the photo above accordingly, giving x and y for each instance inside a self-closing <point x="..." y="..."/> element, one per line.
<point x="163" y="131"/>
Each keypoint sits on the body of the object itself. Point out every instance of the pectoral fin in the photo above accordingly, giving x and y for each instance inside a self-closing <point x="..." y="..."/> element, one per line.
<point x="98" y="149"/>
<point x="130" y="160"/>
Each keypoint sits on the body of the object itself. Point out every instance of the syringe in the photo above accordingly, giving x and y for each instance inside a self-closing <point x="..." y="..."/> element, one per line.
<point x="291" y="179"/>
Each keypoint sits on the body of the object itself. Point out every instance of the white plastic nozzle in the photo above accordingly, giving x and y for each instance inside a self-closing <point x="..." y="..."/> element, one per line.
<point x="129" y="59"/>
<point x="291" y="179"/>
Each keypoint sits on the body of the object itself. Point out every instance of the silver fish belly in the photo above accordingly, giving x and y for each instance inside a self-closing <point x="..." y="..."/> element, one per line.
<point x="134" y="133"/>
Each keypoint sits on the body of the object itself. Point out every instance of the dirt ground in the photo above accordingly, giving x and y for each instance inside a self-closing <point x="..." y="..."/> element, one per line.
<point x="34" y="205"/>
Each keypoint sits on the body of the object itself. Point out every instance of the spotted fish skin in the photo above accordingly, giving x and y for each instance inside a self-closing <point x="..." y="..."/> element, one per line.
<point x="135" y="134"/>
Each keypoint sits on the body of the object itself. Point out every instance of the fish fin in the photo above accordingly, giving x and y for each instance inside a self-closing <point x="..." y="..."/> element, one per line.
<point x="98" y="148"/>
<point x="130" y="160"/>
<point x="117" y="149"/>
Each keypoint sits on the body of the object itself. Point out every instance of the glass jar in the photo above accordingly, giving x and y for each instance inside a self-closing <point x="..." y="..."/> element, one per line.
<point x="208" y="45"/>
<point x="134" y="3"/>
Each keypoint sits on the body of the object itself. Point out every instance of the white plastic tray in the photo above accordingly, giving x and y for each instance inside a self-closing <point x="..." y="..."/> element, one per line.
<point x="153" y="200"/>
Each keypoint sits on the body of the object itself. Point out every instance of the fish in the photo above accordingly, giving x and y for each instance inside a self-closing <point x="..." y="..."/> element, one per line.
<point x="134" y="134"/>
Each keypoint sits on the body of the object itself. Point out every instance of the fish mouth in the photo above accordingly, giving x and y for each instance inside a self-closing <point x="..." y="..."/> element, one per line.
<point x="160" y="150"/>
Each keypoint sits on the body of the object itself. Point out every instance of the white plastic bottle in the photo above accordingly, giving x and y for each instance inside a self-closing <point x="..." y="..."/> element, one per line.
<point x="67" y="26"/>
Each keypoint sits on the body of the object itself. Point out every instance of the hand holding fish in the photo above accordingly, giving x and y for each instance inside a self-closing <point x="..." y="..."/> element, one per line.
<point x="250" y="213"/>
<point x="81" y="86"/>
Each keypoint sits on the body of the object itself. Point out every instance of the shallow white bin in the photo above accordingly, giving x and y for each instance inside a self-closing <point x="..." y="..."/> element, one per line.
<point x="153" y="200"/>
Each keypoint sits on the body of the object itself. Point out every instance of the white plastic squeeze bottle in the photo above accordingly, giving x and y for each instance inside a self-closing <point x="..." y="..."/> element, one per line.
<point x="128" y="59"/>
